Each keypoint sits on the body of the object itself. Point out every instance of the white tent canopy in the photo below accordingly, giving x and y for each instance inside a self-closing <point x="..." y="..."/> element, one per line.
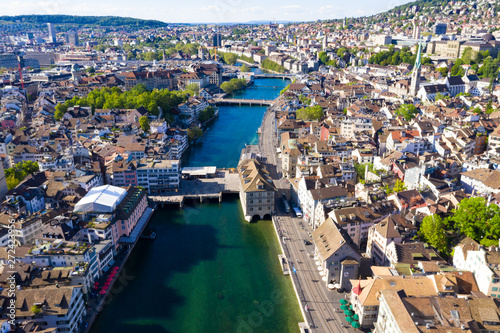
<point x="102" y="199"/>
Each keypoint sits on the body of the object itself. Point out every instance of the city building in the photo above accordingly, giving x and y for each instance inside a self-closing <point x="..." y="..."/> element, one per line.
<point x="257" y="190"/>
<point x="62" y="308"/>
<point x="52" y="33"/>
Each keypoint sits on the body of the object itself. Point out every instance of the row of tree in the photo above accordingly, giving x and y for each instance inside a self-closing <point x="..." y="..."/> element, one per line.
<point x="109" y="21"/>
<point x="232" y="85"/>
<point x="114" y="98"/>
<point x="272" y="66"/>
<point x="396" y="57"/>
<point x="481" y="63"/>
<point x="473" y="218"/>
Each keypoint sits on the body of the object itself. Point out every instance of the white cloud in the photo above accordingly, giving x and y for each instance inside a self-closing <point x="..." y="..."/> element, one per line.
<point x="292" y="7"/>
<point x="210" y="8"/>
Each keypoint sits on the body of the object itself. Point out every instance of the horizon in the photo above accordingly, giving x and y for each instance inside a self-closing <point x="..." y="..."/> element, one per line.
<point x="198" y="12"/>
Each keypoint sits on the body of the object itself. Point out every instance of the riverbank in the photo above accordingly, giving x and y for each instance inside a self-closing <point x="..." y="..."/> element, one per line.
<point x="209" y="270"/>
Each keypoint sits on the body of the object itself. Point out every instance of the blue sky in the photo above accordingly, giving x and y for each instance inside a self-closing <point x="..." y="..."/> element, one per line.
<point x="193" y="11"/>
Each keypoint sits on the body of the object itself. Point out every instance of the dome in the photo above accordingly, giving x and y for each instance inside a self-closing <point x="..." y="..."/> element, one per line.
<point x="488" y="37"/>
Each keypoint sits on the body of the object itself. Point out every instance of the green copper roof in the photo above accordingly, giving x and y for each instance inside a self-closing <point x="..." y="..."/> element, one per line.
<point x="419" y="55"/>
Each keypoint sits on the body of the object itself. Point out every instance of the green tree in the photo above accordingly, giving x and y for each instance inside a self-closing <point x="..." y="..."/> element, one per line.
<point x="150" y="56"/>
<point x="29" y="167"/>
<point x="229" y="58"/>
<point x="479" y="221"/>
<point x="245" y="68"/>
<point x="192" y="89"/>
<point x="271" y="65"/>
<point x="477" y="110"/>
<point x="144" y="122"/>
<point x="232" y="85"/>
<point x="284" y="89"/>
<point x="18" y="172"/>
<point x="310" y="113"/>
<point x="408" y="111"/>
<point x="12" y="182"/>
<point x="399" y="186"/>
<point x="360" y="170"/>
<point x="433" y="231"/>
<point x="60" y="111"/>
<point x="439" y="96"/>
<point x="206" y="114"/>
<point x="194" y="133"/>
<point x="36" y="309"/>
<point x="323" y="57"/>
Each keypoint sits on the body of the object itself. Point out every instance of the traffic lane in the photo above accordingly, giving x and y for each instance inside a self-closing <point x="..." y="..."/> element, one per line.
<point x="331" y="297"/>
<point x="312" y="282"/>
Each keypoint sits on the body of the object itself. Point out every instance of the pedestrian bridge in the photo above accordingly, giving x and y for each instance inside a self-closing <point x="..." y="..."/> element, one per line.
<point x="276" y="76"/>
<point x="241" y="101"/>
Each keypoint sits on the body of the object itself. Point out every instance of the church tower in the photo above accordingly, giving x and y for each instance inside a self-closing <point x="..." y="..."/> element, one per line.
<point x="415" y="74"/>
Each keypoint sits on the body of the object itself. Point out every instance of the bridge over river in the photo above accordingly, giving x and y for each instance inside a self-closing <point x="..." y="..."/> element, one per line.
<point x="242" y="101"/>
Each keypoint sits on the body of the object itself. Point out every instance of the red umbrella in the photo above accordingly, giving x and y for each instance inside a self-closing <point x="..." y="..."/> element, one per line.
<point x="102" y="292"/>
<point x="116" y="268"/>
<point x="96" y="287"/>
<point x="107" y="283"/>
<point x="112" y="275"/>
<point x="109" y="279"/>
<point x="105" y="288"/>
<point x="96" y="284"/>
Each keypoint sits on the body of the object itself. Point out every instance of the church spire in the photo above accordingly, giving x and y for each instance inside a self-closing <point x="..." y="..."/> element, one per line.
<point x="415" y="74"/>
<point x="419" y="56"/>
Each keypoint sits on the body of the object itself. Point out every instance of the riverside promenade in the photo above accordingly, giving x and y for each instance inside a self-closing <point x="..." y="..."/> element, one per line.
<point x="321" y="314"/>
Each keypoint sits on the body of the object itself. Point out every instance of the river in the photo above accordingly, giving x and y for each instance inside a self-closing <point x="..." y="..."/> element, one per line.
<point x="208" y="271"/>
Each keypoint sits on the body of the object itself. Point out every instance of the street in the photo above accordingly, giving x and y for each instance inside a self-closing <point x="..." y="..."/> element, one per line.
<point x="312" y="291"/>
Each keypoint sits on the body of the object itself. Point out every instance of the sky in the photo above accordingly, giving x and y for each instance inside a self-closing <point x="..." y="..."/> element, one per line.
<point x="199" y="11"/>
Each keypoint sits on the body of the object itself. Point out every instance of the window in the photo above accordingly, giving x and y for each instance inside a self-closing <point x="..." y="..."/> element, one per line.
<point x="494" y="289"/>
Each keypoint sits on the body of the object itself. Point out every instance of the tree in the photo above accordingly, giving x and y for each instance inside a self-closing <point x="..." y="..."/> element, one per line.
<point x="29" y="167"/>
<point x="408" y="111"/>
<point x="229" y="58"/>
<point x="206" y="114"/>
<point x="439" y="96"/>
<point x="245" y="68"/>
<point x="18" y="172"/>
<point x="232" y="85"/>
<point x="36" y="309"/>
<point x="271" y="65"/>
<point x="310" y="113"/>
<point x="360" y="170"/>
<point x="284" y="90"/>
<point x="479" y="221"/>
<point x="60" y="111"/>
<point x="144" y="122"/>
<point x="433" y="231"/>
<point x="399" y="186"/>
<point x="323" y="57"/>
<point x="194" y="133"/>
<point x="477" y="110"/>
<point x="150" y="56"/>
<point x="192" y="89"/>
<point x="91" y="69"/>
<point x="12" y="182"/>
